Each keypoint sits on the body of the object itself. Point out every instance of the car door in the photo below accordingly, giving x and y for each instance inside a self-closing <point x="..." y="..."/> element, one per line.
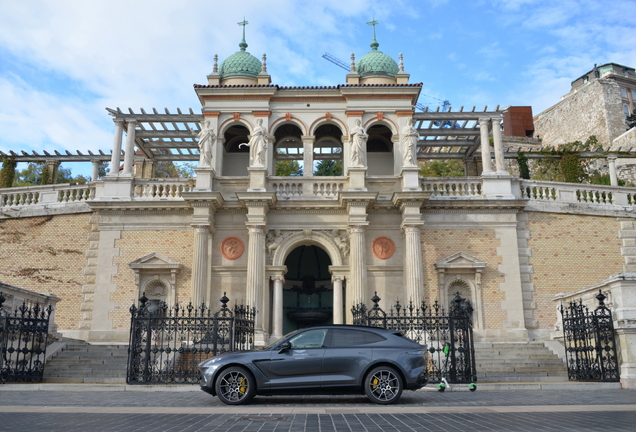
<point x="300" y="365"/>
<point x="347" y="354"/>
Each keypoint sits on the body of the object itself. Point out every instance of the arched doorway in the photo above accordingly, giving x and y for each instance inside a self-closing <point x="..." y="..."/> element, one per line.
<point x="308" y="292"/>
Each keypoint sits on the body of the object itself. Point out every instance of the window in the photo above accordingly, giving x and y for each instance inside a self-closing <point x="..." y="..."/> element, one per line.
<point x="624" y="93"/>
<point x="634" y="95"/>
<point x="626" y="111"/>
<point x="345" y="338"/>
<point x="309" y="339"/>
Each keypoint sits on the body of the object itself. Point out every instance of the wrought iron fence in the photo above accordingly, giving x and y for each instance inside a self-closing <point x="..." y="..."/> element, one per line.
<point x="167" y="343"/>
<point x="23" y="340"/>
<point x="449" y="336"/>
<point x="590" y="346"/>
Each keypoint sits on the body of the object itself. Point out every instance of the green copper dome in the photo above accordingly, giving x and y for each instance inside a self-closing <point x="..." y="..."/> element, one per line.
<point x="241" y="63"/>
<point x="376" y="63"/>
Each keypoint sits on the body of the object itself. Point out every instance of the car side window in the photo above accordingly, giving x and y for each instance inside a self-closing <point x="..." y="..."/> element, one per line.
<point x="309" y="339"/>
<point x="345" y="337"/>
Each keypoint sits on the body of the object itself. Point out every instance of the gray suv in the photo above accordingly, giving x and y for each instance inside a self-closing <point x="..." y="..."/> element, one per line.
<point x="332" y="359"/>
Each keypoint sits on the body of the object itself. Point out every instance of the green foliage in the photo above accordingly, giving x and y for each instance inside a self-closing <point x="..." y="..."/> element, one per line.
<point x="442" y="168"/>
<point x="38" y="174"/>
<point x="286" y="168"/>
<point x="7" y="173"/>
<point x="185" y="169"/>
<point x="524" y="169"/>
<point x="569" y="167"/>
<point x="604" y="179"/>
<point x="102" y="170"/>
<point x="631" y="120"/>
<point x="328" y="167"/>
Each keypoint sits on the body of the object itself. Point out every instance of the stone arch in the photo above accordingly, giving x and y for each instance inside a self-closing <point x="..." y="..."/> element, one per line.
<point x="225" y="125"/>
<point x="291" y="120"/>
<point x="332" y="121"/>
<point x="384" y="122"/>
<point x="308" y="238"/>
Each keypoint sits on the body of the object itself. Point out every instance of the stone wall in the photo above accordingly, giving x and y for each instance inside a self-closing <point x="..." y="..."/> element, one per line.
<point x="593" y="109"/>
<point x="569" y="252"/>
<point x="175" y="244"/>
<point x="47" y="255"/>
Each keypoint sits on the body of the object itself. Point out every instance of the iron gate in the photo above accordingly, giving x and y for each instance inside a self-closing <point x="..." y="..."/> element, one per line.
<point x="590" y="346"/>
<point x="449" y="336"/>
<point x="23" y="339"/>
<point x="167" y="343"/>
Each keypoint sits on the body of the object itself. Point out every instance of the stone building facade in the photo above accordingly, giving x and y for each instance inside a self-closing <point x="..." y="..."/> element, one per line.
<point x="293" y="245"/>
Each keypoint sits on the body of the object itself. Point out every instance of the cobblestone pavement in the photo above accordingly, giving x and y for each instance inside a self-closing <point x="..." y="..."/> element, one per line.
<point x="599" y="410"/>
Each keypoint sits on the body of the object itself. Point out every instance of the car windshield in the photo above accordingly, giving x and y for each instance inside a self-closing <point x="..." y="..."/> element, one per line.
<point x="284" y="338"/>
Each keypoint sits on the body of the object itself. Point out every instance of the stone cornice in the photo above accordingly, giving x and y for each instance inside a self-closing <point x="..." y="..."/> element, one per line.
<point x="505" y="205"/>
<point x="165" y="207"/>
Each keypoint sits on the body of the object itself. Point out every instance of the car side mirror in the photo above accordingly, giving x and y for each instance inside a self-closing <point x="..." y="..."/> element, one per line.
<point x="285" y="346"/>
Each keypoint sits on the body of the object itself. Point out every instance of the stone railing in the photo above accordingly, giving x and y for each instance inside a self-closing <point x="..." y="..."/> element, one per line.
<point x="43" y="195"/>
<point x="161" y="189"/>
<point x="452" y="187"/>
<point x="576" y="193"/>
<point x="307" y="187"/>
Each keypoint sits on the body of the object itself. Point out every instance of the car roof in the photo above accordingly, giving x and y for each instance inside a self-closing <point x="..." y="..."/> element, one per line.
<point x="355" y="327"/>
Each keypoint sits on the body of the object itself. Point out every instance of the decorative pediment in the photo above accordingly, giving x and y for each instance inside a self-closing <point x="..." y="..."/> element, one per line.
<point x="155" y="261"/>
<point x="460" y="260"/>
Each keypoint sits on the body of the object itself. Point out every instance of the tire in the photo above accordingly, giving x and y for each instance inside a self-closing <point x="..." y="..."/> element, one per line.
<point x="235" y="386"/>
<point x="383" y="385"/>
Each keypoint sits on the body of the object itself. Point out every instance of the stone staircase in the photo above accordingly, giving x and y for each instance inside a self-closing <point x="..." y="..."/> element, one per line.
<point x="81" y="362"/>
<point x="518" y="362"/>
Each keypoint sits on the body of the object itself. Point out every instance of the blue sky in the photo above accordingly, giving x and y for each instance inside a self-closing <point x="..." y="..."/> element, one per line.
<point x="63" y="61"/>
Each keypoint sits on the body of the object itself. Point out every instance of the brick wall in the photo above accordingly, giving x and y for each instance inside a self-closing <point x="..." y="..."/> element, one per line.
<point x="570" y="252"/>
<point x="47" y="255"/>
<point x="438" y="244"/>
<point x="176" y="244"/>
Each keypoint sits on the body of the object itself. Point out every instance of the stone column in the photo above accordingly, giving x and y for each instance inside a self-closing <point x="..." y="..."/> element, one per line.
<point x="51" y="169"/>
<point x="611" y="161"/>
<point x="95" y="171"/>
<point x="498" y="144"/>
<point x="357" y="264"/>
<point x="337" y="299"/>
<point x="485" y="146"/>
<point x="277" y="307"/>
<point x="199" y="288"/>
<point x="130" y="149"/>
<point x="308" y="155"/>
<point x="256" y="271"/>
<point x="413" y="264"/>
<point x="116" y="156"/>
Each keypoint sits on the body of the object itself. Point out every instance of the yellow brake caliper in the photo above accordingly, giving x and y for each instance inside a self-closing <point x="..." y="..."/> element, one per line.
<point x="375" y="383"/>
<point x="243" y="386"/>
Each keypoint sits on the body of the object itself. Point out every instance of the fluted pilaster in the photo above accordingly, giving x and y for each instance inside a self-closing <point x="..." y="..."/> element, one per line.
<point x="413" y="264"/>
<point x="357" y="264"/>
<point x="337" y="299"/>
<point x="277" y="321"/>
<point x="256" y="270"/>
<point x="199" y="286"/>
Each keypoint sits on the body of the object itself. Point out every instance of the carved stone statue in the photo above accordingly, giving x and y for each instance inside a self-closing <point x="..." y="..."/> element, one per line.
<point x="410" y="136"/>
<point x="342" y="241"/>
<point x="358" y="140"/>
<point x="206" y="139"/>
<point x="274" y="239"/>
<point x="257" y="144"/>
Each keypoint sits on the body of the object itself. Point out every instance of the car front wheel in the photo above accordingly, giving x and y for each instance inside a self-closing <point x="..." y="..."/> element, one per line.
<point x="383" y="385"/>
<point x="235" y="386"/>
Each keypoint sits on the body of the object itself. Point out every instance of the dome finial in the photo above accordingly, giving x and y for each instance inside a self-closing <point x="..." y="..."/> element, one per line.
<point x="374" y="43"/>
<point x="243" y="44"/>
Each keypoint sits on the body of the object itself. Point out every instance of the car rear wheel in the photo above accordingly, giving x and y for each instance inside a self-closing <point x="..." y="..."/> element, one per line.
<point x="235" y="386"/>
<point x="383" y="385"/>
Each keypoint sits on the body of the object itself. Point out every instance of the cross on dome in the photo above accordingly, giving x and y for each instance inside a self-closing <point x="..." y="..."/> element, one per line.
<point x="374" y="43"/>
<point x="243" y="44"/>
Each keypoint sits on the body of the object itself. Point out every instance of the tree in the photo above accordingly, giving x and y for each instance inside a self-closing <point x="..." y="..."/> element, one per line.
<point x="442" y="168"/>
<point x="286" y="168"/>
<point x="569" y="166"/>
<point x="328" y="167"/>
<point x="7" y="173"/>
<point x="631" y="120"/>
<point x="185" y="169"/>
<point x="36" y="173"/>
<point x="524" y="169"/>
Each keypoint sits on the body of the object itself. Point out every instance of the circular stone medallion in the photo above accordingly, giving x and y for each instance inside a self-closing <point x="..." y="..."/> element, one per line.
<point x="232" y="248"/>
<point x="383" y="248"/>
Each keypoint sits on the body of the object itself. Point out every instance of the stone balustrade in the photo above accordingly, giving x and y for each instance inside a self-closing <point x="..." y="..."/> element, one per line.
<point x="576" y="193"/>
<point x="161" y="189"/>
<point x="307" y="187"/>
<point x="45" y="195"/>
<point x="456" y="187"/>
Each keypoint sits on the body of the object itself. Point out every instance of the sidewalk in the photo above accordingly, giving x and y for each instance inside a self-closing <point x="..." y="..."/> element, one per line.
<point x="100" y="409"/>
